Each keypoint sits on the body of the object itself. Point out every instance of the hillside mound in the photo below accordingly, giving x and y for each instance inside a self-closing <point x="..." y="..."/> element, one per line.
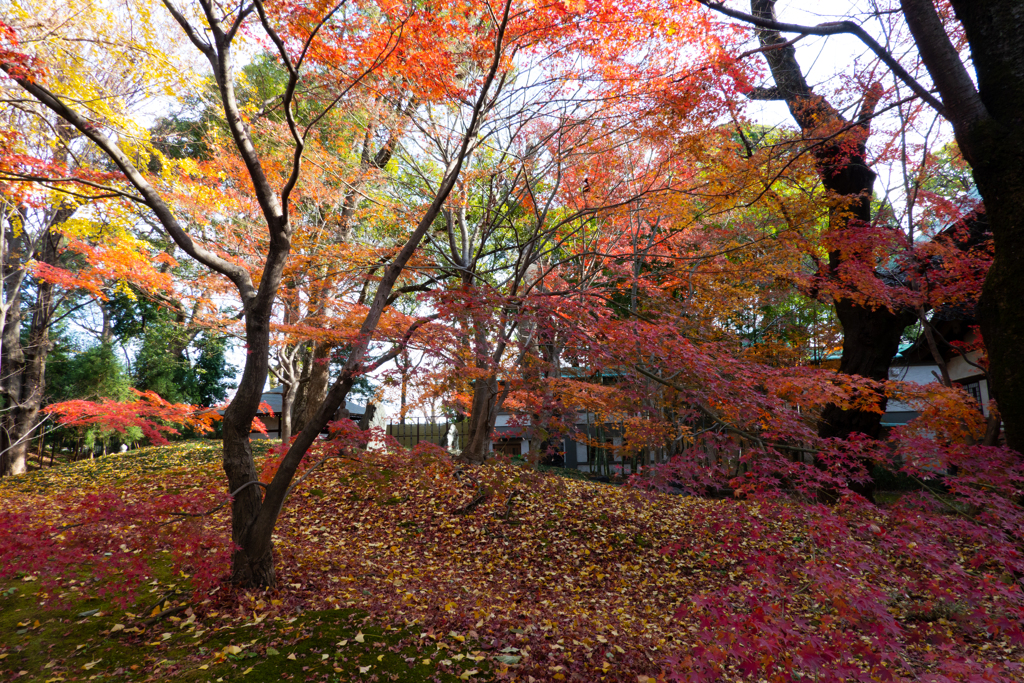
<point x="540" y="576"/>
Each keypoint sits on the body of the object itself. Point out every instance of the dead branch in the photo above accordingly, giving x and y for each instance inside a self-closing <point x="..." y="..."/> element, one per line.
<point x="161" y="600"/>
<point x="482" y="495"/>
<point x="169" y="612"/>
<point x="508" y="504"/>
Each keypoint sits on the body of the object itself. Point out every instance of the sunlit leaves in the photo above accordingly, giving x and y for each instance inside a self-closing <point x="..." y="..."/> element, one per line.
<point x="149" y="413"/>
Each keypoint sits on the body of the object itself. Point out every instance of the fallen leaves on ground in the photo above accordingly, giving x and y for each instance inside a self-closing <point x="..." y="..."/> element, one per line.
<point x="546" y="578"/>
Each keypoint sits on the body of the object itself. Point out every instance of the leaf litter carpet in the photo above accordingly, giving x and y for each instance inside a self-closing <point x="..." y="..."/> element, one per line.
<point x="547" y="577"/>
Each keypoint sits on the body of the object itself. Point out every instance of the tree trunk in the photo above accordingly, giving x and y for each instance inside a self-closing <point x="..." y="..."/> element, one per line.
<point x="1000" y="314"/>
<point x="994" y="146"/>
<point x="989" y="126"/>
<point x="299" y="405"/>
<point x="319" y="382"/>
<point x="870" y="335"/>
<point x="252" y="563"/>
<point x="250" y="566"/>
<point x="404" y="367"/>
<point x="24" y="367"/>
<point x="12" y="361"/>
<point x="288" y="373"/>
<point x="247" y="568"/>
<point x="870" y="340"/>
<point x="482" y="416"/>
<point x="287" y="399"/>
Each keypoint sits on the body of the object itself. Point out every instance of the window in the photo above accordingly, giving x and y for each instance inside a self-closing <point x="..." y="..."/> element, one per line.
<point x="974" y="389"/>
<point x="511" y="446"/>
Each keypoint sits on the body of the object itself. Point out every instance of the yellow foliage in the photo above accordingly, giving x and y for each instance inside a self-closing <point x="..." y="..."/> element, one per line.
<point x="114" y="60"/>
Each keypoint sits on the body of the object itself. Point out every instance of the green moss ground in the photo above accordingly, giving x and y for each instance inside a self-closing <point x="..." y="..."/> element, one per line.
<point x="91" y="638"/>
<point x="78" y="644"/>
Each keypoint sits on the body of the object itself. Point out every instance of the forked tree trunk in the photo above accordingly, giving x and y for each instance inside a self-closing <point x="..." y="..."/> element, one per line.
<point x="252" y="564"/>
<point x="871" y="333"/>
<point x="487" y="395"/>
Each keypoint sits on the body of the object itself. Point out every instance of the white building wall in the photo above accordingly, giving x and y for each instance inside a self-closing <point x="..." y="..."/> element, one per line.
<point x="958" y="370"/>
<point x="918" y="374"/>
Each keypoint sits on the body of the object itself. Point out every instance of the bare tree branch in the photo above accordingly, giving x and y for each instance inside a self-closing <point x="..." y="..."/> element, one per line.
<point x="834" y="28"/>
<point x="238" y="275"/>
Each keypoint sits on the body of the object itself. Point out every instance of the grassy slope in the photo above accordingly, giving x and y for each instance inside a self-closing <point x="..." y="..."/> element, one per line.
<point x="85" y="638"/>
<point x="544" y="577"/>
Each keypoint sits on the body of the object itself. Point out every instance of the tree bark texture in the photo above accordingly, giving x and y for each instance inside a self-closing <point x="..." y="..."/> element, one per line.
<point x="989" y="125"/>
<point x="870" y="340"/>
<point x="318" y="384"/>
<point x="23" y="367"/>
<point x="251" y="564"/>
<point x="287" y="399"/>
<point x="994" y="146"/>
<point x="871" y="335"/>
<point x="488" y="395"/>
<point x="482" y="417"/>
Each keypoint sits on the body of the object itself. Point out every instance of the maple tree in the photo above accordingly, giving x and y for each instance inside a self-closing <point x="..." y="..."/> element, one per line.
<point x="252" y="535"/>
<point x="503" y="235"/>
<point x="60" y="241"/>
<point x="150" y="414"/>
<point x="370" y="42"/>
<point x="979" y="113"/>
<point x="331" y="252"/>
<point x="555" y="249"/>
<point x="871" y="330"/>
